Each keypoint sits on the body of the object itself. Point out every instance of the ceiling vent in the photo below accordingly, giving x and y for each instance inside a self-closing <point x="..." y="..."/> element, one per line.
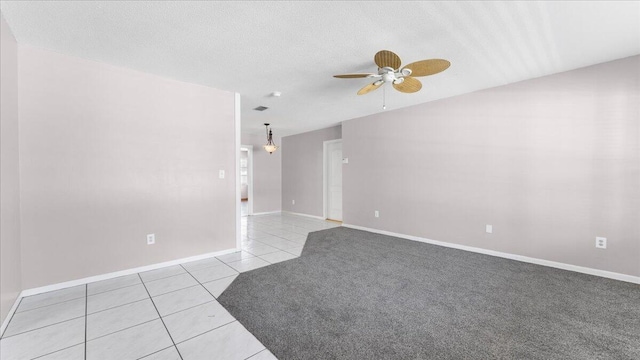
<point x="261" y="108"/>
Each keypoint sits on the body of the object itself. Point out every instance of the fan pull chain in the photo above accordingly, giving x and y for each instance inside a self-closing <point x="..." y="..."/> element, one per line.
<point x="384" y="97"/>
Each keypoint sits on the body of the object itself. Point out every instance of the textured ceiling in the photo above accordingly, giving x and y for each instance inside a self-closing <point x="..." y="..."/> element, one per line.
<point x="255" y="48"/>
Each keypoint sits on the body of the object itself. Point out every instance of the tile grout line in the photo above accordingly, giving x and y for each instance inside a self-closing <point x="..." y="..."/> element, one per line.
<point x="198" y="281"/>
<point x="53" y="352"/>
<point x="207" y="266"/>
<point x="259" y="255"/>
<point x="106" y="291"/>
<point x="123" y="329"/>
<point x="86" y="309"/>
<point x="44" y="306"/>
<point x="270" y="263"/>
<point x="161" y="319"/>
<point x="163" y="278"/>
<point x="172" y="291"/>
<point x="215" y="299"/>
<point x="215" y="328"/>
<point x="114" y="307"/>
<point x="222" y="263"/>
<point x="42" y="327"/>
<point x="265" y="348"/>
<point x="191" y="307"/>
<point x="155" y="352"/>
<point x="255" y="256"/>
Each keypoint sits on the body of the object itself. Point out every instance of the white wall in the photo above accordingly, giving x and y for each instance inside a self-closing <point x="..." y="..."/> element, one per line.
<point x="551" y="163"/>
<point x="267" y="174"/>
<point x="302" y="170"/>
<point x="10" y="266"/>
<point x="109" y="155"/>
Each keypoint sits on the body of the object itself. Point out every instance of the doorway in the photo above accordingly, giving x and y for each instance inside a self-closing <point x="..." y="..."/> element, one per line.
<point x="246" y="180"/>
<point x="333" y="180"/>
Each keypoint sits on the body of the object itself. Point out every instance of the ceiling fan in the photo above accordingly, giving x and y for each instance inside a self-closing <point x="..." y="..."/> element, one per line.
<point x="403" y="79"/>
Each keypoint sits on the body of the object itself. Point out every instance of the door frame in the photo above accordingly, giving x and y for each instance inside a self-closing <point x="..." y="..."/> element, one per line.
<point x="325" y="175"/>
<point x="249" y="149"/>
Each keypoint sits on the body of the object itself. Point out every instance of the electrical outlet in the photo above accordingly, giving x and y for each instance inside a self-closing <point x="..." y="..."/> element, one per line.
<point x="221" y="174"/>
<point x="293" y="202"/>
<point x="151" y="239"/>
<point x="376" y="213"/>
<point x="489" y="229"/>
<point x="601" y="242"/>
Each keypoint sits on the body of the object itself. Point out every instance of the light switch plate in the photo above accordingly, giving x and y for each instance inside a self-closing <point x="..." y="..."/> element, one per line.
<point x="345" y="160"/>
<point x="489" y="229"/>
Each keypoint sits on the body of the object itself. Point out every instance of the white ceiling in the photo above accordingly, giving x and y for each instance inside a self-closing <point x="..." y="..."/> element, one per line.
<point x="256" y="48"/>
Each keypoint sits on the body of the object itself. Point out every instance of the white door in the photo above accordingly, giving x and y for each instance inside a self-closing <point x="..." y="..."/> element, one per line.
<point x="334" y="180"/>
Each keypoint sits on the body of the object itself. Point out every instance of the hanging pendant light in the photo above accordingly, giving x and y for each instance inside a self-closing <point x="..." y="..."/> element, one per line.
<point x="271" y="146"/>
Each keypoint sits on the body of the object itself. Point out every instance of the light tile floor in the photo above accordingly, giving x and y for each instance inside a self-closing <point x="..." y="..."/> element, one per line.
<point x="164" y="314"/>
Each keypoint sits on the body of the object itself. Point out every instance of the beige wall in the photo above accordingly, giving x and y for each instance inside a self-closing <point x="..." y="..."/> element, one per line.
<point x="551" y="163"/>
<point x="109" y="155"/>
<point x="302" y="170"/>
<point x="10" y="276"/>
<point x="267" y="174"/>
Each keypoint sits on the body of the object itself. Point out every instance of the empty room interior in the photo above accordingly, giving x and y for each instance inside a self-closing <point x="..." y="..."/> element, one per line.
<point x="192" y="180"/>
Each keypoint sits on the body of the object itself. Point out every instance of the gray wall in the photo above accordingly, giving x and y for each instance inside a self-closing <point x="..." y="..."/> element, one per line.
<point x="551" y="163"/>
<point x="10" y="276"/>
<point x="267" y="174"/>
<point x="302" y="171"/>
<point x="109" y="155"/>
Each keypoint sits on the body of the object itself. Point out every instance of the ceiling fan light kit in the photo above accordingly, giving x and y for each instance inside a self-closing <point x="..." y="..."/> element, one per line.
<point x="403" y="79"/>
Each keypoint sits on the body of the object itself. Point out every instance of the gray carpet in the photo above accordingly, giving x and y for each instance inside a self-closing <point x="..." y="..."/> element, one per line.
<point x="357" y="295"/>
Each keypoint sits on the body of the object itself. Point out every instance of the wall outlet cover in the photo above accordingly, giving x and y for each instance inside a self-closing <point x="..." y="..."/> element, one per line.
<point x="489" y="229"/>
<point x="151" y="239"/>
<point x="601" y="242"/>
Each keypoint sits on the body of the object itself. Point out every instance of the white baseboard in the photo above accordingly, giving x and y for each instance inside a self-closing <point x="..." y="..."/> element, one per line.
<point x="305" y="215"/>
<point x="112" y="275"/>
<point x="554" y="264"/>
<point x="265" y="213"/>
<point x="12" y="311"/>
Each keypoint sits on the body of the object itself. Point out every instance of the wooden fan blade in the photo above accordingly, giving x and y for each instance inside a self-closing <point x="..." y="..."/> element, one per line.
<point x="369" y="88"/>
<point x="409" y="85"/>
<point x="386" y="58"/>
<point x="428" y="67"/>
<point x="352" y="76"/>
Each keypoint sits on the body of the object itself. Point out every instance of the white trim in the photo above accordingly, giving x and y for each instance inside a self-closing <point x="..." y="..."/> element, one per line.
<point x="12" y="311"/>
<point x="266" y="213"/>
<point x="325" y="181"/>
<point x="249" y="149"/>
<point x="305" y="215"/>
<point x="553" y="264"/>
<point x="116" y="274"/>
<point x="238" y="129"/>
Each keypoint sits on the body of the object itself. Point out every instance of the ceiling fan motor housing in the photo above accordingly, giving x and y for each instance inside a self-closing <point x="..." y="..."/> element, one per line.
<point x="389" y="76"/>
